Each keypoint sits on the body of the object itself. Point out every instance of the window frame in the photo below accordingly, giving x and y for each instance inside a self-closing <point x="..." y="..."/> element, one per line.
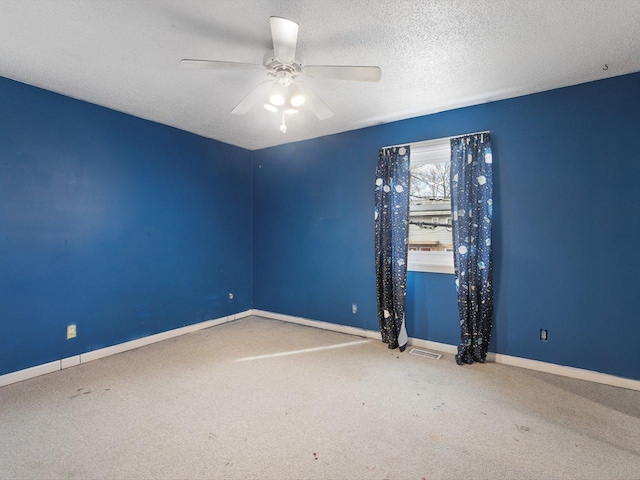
<point x="430" y="151"/>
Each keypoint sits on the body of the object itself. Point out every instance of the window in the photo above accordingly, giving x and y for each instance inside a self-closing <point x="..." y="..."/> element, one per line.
<point x="430" y="232"/>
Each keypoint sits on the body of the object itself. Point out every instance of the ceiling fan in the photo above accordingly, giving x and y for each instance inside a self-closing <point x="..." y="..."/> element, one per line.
<point x="283" y="92"/>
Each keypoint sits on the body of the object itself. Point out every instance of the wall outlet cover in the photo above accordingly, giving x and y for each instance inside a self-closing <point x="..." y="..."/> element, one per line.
<point x="71" y="331"/>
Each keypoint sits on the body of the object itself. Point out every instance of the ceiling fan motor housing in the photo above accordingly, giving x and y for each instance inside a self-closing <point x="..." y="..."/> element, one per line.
<point x="285" y="74"/>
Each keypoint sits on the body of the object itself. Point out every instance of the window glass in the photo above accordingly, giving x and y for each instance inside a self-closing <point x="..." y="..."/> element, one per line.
<point x="430" y="198"/>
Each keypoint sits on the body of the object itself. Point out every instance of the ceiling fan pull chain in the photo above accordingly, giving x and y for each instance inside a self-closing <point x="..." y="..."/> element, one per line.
<point x="283" y="127"/>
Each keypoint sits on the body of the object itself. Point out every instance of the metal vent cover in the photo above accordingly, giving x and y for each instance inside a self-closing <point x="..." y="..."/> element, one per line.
<point x="425" y="353"/>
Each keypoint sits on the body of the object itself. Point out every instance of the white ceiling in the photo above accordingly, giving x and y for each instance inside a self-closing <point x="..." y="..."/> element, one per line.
<point x="435" y="55"/>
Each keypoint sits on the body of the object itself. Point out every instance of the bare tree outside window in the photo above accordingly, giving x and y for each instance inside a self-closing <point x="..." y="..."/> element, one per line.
<point x="430" y="207"/>
<point x="430" y="184"/>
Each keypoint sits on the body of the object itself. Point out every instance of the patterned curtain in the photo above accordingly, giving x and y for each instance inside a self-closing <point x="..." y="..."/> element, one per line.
<point x="392" y="223"/>
<point x="471" y="205"/>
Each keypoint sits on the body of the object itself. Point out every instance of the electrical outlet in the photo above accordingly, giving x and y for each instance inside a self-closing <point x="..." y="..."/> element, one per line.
<point x="544" y="335"/>
<point x="71" y="331"/>
<point x="231" y="297"/>
<point x="354" y="308"/>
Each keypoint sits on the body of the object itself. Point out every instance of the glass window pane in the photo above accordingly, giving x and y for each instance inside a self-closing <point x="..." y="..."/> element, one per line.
<point x="430" y="204"/>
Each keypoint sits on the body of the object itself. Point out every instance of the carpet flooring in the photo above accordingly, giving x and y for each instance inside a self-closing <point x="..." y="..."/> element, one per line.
<point x="263" y="399"/>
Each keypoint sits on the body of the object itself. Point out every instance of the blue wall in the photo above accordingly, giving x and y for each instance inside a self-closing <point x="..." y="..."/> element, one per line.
<point x="122" y="226"/>
<point x="128" y="228"/>
<point x="566" y="226"/>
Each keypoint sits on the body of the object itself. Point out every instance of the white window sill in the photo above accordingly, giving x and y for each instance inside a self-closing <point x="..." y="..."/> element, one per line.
<point x="431" y="262"/>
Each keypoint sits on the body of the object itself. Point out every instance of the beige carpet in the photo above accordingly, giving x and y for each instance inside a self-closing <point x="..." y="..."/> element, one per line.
<point x="219" y="403"/>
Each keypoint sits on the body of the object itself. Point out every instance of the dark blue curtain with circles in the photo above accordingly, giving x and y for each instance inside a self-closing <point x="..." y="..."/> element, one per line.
<point x="391" y="230"/>
<point x="472" y="208"/>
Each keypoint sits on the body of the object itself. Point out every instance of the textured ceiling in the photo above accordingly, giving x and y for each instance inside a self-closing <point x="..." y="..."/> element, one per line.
<point x="434" y="55"/>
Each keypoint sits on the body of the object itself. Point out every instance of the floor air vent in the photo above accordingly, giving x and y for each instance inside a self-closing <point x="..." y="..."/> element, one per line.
<point x="425" y="353"/>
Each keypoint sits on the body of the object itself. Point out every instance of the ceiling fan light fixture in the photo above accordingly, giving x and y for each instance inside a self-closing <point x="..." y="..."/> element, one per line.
<point x="281" y="92"/>
<point x="276" y="99"/>
<point x="297" y="100"/>
<point x="278" y="94"/>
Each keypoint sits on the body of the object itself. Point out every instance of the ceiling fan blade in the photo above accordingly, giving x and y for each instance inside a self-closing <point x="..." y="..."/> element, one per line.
<point x="285" y="37"/>
<point x="314" y="102"/>
<point x="344" y="72"/>
<point x="216" y="65"/>
<point x="258" y="94"/>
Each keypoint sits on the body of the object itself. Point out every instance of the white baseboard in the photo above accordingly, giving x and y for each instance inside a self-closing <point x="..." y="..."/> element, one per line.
<point x="360" y="332"/>
<point x="529" y="364"/>
<point x="70" y="362"/>
<point x="27" y="373"/>
<point x="565" y="371"/>
<point x="437" y="346"/>
<point x="63" y="363"/>
<point x="246" y="313"/>
<point x="158" y="337"/>
<point x="539" y="366"/>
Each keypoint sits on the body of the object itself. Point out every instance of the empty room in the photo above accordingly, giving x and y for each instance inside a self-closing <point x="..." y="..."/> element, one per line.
<point x="341" y="239"/>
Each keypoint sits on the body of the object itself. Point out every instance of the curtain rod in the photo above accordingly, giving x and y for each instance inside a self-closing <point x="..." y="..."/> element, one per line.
<point x="424" y="142"/>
